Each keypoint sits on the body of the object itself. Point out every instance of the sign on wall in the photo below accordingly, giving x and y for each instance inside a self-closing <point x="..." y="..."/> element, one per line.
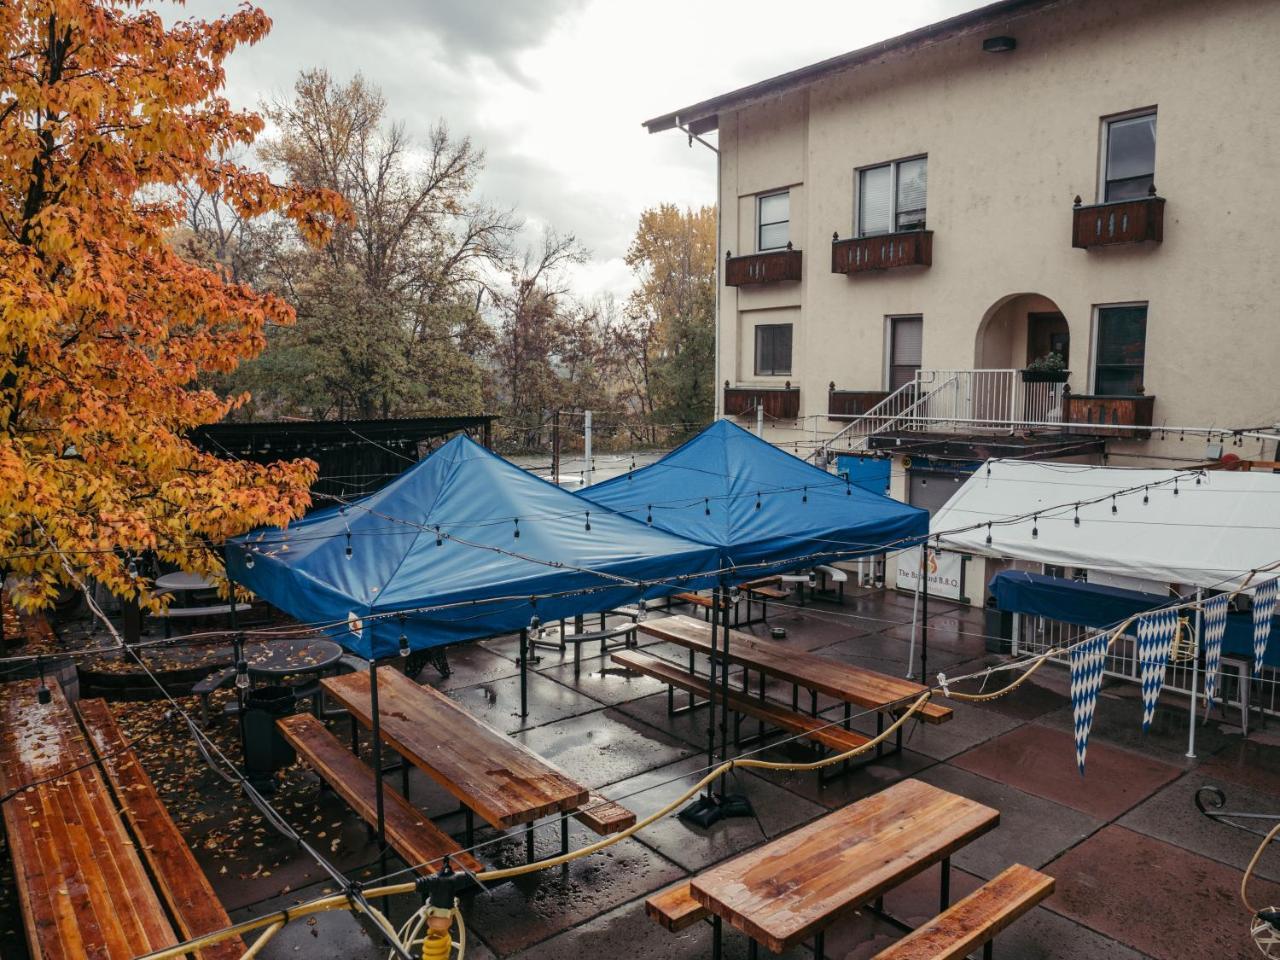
<point x="945" y="572"/>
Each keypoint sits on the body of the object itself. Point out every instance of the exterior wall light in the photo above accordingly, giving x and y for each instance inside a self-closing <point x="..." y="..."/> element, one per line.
<point x="999" y="44"/>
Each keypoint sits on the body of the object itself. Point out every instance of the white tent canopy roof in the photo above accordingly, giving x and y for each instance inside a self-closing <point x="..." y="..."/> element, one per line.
<point x="1210" y="534"/>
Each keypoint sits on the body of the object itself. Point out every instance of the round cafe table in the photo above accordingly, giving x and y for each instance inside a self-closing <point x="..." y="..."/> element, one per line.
<point x="274" y="659"/>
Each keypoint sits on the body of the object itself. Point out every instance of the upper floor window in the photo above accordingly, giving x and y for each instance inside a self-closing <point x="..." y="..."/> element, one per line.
<point x="891" y="196"/>
<point x="774" y="219"/>
<point x="773" y="350"/>
<point x="1121" y="348"/>
<point x="1129" y="157"/>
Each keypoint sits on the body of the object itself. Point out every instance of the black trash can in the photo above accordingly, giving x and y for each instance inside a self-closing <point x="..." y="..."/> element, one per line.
<point x="999" y="628"/>
<point x="265" y="749"/>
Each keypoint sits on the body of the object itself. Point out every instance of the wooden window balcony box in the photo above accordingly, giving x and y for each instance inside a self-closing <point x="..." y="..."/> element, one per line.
<point x="780" y="403"/>
<point x="1082" y="409"/>
<point x="911" y="248"/>
<point x="1118" y="222"/>
<point x="775" y="266"/>
<point x="851" y="403"/>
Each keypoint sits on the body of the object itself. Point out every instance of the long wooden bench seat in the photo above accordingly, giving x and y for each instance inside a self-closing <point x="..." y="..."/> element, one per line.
<point x="675" y="908"/>
<point x="179" y="878"/>
<point x="812" y="728"/>
<point x="697" y="600"/>
<point x="769" y="593"/>
<point x="410" y="833"/>
<point x="603" y="816"/>
<point x="975" y="920"/>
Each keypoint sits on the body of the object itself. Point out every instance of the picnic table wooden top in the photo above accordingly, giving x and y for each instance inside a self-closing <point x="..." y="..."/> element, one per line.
<point x="503" y="781"/>
<point x="783" y="892"/>
<point x="81" y="884"/>
<point x="844" y="681"/>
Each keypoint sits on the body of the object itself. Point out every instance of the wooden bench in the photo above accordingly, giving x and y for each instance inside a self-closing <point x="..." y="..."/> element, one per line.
<point x="675" y="908"/>
<point x="811" y="728"/>
<point x="171" y="614"/>
<point x="976" y="919"/>
<point x="83" y="889"/>
<point x="410" y="833"/>
<point x="603" y="816"/>
<point x="178" y="876"/>
<point x="698" y="600"/>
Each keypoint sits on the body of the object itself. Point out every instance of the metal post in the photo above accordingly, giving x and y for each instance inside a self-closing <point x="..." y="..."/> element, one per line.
<point x="759" y="419"/>
<point x="721" y="595"/>
<point x="711" y="693"/>
<point x="1195" y="666"/>
<point x="377" y="748"/>
<point x="589" y="467"/>
<point x="915" y="614"/>
<point x="555" y="447"/>
<point x="924" y="611"/>
<point x="524" y="673"/>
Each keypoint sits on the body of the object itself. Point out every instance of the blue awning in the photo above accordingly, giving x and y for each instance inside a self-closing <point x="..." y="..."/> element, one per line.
<point x="506" y="537"/>
<point x="1095" y="605"/>
<point x="764" y="509"/>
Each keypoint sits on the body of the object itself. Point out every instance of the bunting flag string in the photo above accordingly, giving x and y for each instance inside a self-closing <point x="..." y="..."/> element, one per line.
<point x="1215" y="627"/>
<point x="1087" y="661"/>
<point x="1155" y="640"/>
<point x="1264" y="608"/>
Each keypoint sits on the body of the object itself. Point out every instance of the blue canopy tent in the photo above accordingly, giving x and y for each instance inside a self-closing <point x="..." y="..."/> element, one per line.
<point x="1096" y="605"/>
<point x="472" y="539"/>
<point x="764" y="509"/>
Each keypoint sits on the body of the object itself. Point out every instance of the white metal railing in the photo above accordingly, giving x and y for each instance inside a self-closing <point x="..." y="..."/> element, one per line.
<point x="1035" y="634"/>
<point x="946" y="401"/>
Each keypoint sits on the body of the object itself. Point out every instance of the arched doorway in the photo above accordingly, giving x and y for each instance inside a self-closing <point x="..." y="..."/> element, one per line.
<point x="1020" y="328"/>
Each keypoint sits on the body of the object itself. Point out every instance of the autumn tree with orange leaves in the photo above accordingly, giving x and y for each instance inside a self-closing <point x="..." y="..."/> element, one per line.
<point x="105" y="110"/>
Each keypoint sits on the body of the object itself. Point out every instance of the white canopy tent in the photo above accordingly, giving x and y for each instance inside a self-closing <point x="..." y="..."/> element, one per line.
<point x="1199" y="528"/>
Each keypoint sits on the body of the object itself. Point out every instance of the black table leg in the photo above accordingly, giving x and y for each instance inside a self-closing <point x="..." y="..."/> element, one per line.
<point x="469" y="838"/>
<point x="752" y="950"/>
<point x="528" y="842"/>
<point x="819" y="938"/>
<point x="945" y="895"/>
<point x="717" y="941"/>
<point x="524" y="674"/>
<point x="564" y="835"/>
<point x="988" y="950"/>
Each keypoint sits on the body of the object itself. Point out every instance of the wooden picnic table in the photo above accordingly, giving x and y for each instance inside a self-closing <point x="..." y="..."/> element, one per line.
<point x="792" y="888"/>
<point x="489" y="773"/>
<point x="843" y="681"/>
<point x="83" y="889"/>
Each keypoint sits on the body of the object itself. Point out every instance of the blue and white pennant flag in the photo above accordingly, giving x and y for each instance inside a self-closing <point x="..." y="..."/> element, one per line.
<point x="1087" y="661"/>
<point x="1264" y="607"/>
<point x="1155" y="640"/>
<point x="1214" y="619"/>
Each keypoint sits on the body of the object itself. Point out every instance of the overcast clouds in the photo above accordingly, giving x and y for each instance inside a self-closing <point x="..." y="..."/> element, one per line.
<point x="554" y="90"/>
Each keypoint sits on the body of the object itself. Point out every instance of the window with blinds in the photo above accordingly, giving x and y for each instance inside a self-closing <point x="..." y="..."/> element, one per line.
<point x="906" y="347"/>
<point x="1130" y="157"/>
<point x="774" y="219"/>
<point x="773" y="350"/>
<point x="892" y="197"/>
<point x="1121" y="350"/>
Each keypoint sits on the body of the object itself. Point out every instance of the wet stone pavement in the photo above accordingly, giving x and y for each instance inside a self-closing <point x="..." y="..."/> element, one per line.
<point x="1140" y="873"/>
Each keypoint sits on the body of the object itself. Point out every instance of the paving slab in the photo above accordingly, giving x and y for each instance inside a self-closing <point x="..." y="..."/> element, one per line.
<point x="522" y="912"/>
<point x="603" y="747"/>
<point x="1032" y="830"/>
<point x="469" y="664"/>
<point x="627" y="932"/>
<point x="776" y="811"/>
<point x="1159" y="899"/>
<point x="968" y="727"/>
<point x="862" y="780"/>
<point x="1032" y="699"/>
<point x="1042" y="761"/>
<point x="497" y="702"/>
<point x="605" y="683"/>
<point x="1171" y="815"/>
<point x="1252" y="763"/>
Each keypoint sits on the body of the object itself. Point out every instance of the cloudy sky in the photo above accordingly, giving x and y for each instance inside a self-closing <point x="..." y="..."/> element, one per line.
<point x="555" y="90"/>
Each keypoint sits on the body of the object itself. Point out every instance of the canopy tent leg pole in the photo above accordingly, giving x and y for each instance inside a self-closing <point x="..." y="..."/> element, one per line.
<point x="924" y="611"/>
<point x="377" y="759"/>
<point x="731" y="805"/>
<point x="706" y="809"/>
<point x="524" y="674"/>
<point x="1195" y="666"/>
<point x="915" y="615"/>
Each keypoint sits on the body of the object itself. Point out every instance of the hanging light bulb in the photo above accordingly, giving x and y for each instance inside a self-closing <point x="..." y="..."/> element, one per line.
<point x="642" y="611"/>
<point x="1077" y="516"/>
<point x="757" y="499"/>
<point x="805" y="498"/>
<point x="988" y="533"/>
<point x="242" y="673"/>
<point x="813" y="579"/>
<point x="735" y="594"/>
<point x="44" y="694"/>
<point x="848" y="487"/>
<point x="439" y="539"/>
<point x="1035" y="526"/>
<point x="1198" y="479"/>
<point x="649" y="514"/>
<point x="588" y="525"/>
<point x="248" y="559"/>
<point x="1145" y="498"/>
<point x="1175" y="486"/>
<point x="517" y="519"/>
<point x="404" y="639"/>
<point x="706" y="505"/>
<point x="348" y="549"/>
<point x="1114" y="509"/>
<point x="133" y="568"/>
<point x="535" y="626"/>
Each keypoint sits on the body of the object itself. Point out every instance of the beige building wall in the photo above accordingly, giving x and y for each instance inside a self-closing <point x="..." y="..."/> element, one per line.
<point x="1011" y="140"/>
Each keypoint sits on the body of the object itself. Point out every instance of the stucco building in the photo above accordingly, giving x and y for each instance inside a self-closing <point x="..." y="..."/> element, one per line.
<point x="908" y="227"/>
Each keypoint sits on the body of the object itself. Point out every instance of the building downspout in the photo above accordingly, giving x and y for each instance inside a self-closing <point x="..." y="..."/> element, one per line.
<point x="719" y="399"/>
